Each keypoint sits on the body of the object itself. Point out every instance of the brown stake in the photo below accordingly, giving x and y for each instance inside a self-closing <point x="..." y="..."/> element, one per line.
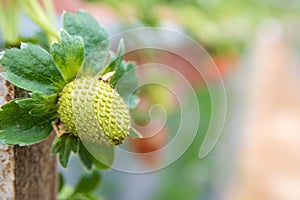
<point x="28" y="172"/>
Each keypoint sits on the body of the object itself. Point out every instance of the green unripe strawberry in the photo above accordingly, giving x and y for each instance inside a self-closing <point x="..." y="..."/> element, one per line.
<point x="91" y="109"/>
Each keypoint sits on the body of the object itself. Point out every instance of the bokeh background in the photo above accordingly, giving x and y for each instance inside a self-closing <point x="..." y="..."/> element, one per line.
<point x="256" y="48"/>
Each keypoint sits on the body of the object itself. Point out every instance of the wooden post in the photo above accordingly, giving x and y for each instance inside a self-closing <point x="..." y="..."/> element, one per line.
<point x="28" y="172"/>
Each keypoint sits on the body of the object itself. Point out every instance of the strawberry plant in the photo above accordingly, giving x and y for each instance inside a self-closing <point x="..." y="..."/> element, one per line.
<point x="72" y="90"/>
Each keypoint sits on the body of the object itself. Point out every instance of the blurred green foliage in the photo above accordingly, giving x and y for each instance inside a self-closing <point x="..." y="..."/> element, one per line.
<point x="189" y="177"/>
<point x="222" y="26"/>
<point x="41" y="13"/>
<point x="84" y="189"/>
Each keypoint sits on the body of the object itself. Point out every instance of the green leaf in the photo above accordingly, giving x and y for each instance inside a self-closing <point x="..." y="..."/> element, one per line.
<point x="31" y="68"/>
<point x="61" y="182"/>
<point x="68" y="55"/>
<point x="103" y="154"/>
<point x="90" y="196"/>
<point x="39" y="38"/>
<point x="63" y="146"/>
<point x="100" y="165"/>
<point x="126" y="83"/>
<point x="88" y="183"/>
<point x="40" y="105"/>
<point x="117" y="60"/>
<point x="43" y="40"/>
<point x="18" y="126"/>
<point x="88" y="160"/>
<point x="85" y="156"/>
<point x="81" y="196"/>
<point x="95" y="40"/>
<point x="65" y="193"/>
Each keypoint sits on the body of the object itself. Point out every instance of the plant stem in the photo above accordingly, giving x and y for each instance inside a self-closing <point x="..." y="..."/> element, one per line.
<point x="35" y="12"/>
<point x="49" y="8"/>
<point x="9" y="21"/>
